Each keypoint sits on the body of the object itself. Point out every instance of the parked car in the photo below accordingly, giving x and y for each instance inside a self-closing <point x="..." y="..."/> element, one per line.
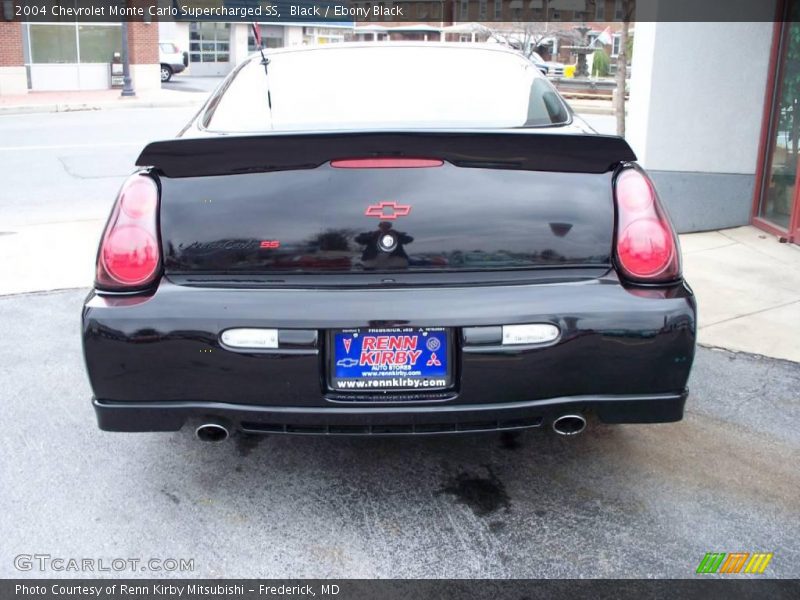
<point x="172" y="60"/>
<point x="540" y="63"/>
<point x="256" y="273"/>
<point x="547" y="67"/>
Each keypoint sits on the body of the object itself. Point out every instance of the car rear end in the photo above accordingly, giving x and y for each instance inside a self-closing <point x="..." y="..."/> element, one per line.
<point x="385" y="280"/>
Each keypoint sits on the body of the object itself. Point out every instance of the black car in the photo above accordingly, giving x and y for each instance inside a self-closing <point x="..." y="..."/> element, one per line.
<point x="387" y="239"/>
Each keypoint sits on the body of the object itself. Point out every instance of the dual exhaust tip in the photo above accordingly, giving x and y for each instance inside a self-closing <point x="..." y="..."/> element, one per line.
<point x="566" y="425"/>
<point x="212" y="432"/>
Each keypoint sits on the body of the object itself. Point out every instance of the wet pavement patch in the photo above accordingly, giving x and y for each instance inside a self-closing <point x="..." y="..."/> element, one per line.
<point x="245" y="444"/>
<point x="510" y="440"/>
<point x="484" y="495"/>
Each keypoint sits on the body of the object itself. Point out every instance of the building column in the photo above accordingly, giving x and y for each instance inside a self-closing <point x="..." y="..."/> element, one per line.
<point x="143" y="52"/>
<point x="237" y="45"/>
<point x="13" y="78"/>
<point x="293" y="36"/>
<point x="694" y="116"/>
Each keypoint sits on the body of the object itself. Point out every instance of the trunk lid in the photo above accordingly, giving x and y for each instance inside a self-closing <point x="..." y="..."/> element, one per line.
<point x="498" y="202"/>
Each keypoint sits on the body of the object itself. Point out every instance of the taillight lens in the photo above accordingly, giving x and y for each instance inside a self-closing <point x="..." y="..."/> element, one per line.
<point x="129" y="255"/>
<point x="647" y="248"/>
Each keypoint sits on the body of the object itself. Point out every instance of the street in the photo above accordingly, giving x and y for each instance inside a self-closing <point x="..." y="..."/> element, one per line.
<point x="623" y="501"/>
<point x="68" y="166"/>
<point x="185" y="83"/>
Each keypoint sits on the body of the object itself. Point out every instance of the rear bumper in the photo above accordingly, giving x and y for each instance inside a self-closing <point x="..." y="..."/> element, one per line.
<point x="406" y="420"/>
<point x="154" y="362"/>
<point x="177" y="67"/>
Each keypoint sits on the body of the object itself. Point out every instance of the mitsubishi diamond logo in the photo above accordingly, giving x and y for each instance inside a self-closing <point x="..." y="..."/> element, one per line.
<point x="387" y="210"/>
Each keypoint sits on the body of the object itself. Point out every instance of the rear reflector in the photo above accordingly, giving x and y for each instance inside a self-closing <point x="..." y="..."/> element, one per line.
<point x="647" y="248"/>
<point x="129" y="255"/>
<point x="250" y="338"/>
<point x="535" y="333"/>
<point x="386" y="163"/>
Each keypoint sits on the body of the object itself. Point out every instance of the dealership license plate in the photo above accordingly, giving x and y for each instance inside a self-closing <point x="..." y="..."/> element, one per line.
<point x="406" y="358"/>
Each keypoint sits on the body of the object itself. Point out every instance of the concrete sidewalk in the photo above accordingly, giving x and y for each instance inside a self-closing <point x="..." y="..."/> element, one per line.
<point x="44" y="102"/>
<point x="747" y="283"/>
<point x="748" y="290"/>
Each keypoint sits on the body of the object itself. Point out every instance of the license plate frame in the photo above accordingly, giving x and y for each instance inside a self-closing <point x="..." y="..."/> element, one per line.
<point x="419" y="378"/>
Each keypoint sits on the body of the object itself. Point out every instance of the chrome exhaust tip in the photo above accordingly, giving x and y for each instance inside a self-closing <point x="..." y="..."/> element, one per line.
<point x="569" y="424"/>
<point x="212" y="432"/>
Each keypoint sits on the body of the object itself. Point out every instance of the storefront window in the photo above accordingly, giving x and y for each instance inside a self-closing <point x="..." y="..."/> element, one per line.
<point x="53" y="44"/>
<point x="271" y="37"/>
<point x="98" y="43"/>
<point x="69" y="43"/>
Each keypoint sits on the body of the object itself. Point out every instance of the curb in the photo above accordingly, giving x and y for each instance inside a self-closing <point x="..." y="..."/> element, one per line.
<point x="26" y="109"/>
<point x="746" y="353"/>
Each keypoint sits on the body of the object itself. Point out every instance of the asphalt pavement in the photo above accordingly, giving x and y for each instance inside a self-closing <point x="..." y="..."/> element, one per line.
<point x="60" y="167"/>
<point x="622" y="501"/>
<point x="188" y="83"/>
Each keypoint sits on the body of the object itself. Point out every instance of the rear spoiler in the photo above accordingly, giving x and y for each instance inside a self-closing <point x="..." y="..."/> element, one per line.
<point x="508" y="149"/>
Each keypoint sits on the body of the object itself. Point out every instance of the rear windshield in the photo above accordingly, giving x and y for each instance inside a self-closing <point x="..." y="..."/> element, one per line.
<point x="392" y="86"/>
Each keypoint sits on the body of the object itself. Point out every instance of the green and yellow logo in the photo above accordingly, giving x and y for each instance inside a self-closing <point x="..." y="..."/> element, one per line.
<point x="734" y="562"/>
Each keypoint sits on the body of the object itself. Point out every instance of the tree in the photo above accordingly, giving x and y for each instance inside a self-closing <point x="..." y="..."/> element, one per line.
<point x="628" y="9"/>
<point x="600" y="63"/>
<point x="525" y="37"/>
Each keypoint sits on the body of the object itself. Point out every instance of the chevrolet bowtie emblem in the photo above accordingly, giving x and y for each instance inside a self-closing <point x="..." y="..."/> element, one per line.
<point x="388" y="210"/>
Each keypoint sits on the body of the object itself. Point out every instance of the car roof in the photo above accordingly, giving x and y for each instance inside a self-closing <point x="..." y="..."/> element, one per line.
<point x="424" y="46"/>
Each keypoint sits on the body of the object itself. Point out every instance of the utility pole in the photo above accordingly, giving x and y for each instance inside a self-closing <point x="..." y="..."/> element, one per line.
<point x="127" y="85"/>
<point x="629" y="8"/>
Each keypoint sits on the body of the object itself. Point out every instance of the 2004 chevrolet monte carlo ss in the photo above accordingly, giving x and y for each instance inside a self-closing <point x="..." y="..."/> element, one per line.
<point x="387" y="239"/>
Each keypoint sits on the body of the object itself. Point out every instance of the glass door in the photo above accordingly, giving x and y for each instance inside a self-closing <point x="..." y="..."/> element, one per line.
<point x="778" y="198"/>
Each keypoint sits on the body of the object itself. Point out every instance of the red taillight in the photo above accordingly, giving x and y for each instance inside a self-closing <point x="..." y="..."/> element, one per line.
<point x="129" y="255"/>
<point x="386" y="163"/>
<point x="647" y="250"/>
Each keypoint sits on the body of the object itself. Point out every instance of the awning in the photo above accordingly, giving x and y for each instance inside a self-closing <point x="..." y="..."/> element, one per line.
<point x="390" y="29"/>
<point x="371" y="28"/>
<point x="465" y="28"/>
<point x="574" y="5"/>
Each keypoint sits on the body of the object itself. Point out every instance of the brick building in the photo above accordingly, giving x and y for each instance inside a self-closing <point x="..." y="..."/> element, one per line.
<point x="12" y="67"/>
<point x="73" y="56"/>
